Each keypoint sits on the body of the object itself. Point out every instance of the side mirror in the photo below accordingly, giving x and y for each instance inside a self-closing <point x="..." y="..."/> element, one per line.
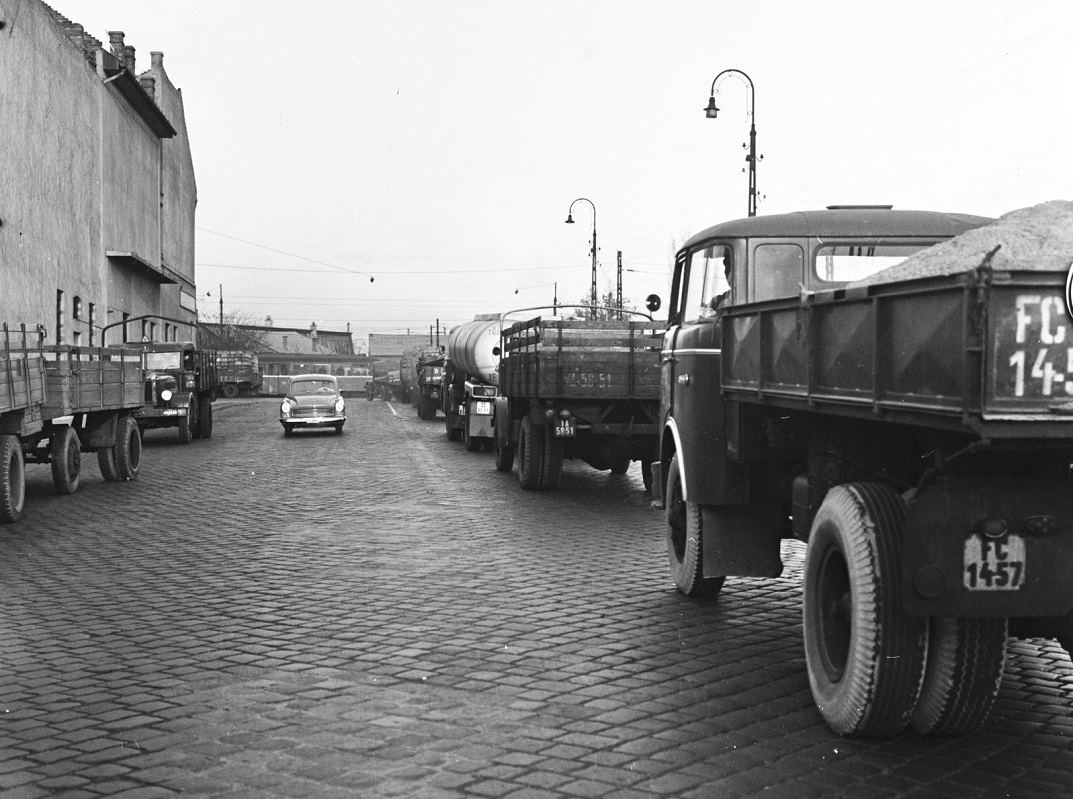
<point x="653" y="302"/>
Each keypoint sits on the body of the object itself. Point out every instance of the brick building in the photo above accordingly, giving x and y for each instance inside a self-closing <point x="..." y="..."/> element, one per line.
<point x="97" y="190"/>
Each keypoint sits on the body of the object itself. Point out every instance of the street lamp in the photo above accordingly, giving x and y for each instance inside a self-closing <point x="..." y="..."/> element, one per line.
<point x="570" y="221"/>
<point x="712" y="111"/>
<point x="554" y="296"/>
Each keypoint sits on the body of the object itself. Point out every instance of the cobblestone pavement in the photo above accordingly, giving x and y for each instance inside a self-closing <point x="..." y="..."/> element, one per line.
<point x="383" y="614"/>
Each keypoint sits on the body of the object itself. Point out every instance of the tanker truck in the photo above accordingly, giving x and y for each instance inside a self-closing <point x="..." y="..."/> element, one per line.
<point x="470" y="381"/>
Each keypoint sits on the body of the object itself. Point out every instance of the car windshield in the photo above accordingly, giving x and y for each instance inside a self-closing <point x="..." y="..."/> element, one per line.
<point x="162" y="360"/>
<point x="301" y="388"/>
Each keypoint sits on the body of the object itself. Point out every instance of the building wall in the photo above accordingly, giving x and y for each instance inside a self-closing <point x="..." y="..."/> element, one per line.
<point x="390" y="345"/>
<point x="81" y="174"/>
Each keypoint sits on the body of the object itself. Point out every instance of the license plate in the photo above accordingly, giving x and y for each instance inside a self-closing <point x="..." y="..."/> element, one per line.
<point x="565" y="428"/>
<point x="994" y="564"/>
<point x="482" y="408"/>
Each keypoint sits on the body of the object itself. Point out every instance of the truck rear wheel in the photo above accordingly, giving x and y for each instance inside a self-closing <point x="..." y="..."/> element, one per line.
<point x="107" y="463"/>
<point x="128" y="449"/>
<point x="865" y="655"/>
<point x="504" y="456"/>
<point x="553" y="460"/>
<point x="453" y="433"/>
<point x="684" y="539"/>
<point x="204" y="418"/>
<point x="530" y="455"/>
<point x="966" y="658"/>
<point x="473" y="444"/>
<point x="186" y="423"/>
<point x="230" y="390"/>
<point x="66" y="458"/>
<point x="12" y="480"/>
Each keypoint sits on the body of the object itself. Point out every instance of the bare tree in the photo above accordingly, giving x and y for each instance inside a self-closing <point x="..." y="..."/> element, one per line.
<point x="239" y="331"/>
<point x="607" y="306"/>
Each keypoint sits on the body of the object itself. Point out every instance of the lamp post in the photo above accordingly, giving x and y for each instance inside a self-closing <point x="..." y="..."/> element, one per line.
<point x="554" y="296"/>
<point x="712" y="111"/>
<point x="570" y="221"/>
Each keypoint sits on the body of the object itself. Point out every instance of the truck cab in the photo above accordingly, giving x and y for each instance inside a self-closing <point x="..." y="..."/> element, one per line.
<point x="180" y="387"/>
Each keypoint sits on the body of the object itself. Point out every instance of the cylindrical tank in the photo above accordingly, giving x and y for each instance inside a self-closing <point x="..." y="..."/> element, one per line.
<point x="470" y="345"/>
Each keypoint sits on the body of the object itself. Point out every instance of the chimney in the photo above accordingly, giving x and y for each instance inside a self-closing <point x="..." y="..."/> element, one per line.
<point x="123" y="52"/>
<point x="313" y="331"/>
<point x="268" y="321"/>
<point x="148" y="83"/>
<point x="158" y="58"/>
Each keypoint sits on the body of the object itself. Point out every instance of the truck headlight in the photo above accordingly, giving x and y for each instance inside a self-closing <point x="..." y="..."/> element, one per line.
<point x="166" y="395"/>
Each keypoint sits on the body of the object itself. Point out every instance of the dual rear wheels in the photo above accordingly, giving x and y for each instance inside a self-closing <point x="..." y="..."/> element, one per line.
<point x="540" y="457"/>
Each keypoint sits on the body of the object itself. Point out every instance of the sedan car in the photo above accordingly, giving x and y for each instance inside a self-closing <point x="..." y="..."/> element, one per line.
<point x="312" y="401"/>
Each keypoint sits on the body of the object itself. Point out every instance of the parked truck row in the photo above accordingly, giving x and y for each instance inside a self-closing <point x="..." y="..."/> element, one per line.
<point x="850" y="379"/>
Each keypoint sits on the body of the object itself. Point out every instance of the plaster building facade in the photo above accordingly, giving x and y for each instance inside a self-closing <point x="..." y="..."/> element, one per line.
<point x="97" y="189"/>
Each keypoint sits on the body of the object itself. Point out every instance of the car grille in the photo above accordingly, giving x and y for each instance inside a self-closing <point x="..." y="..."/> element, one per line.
<point x="307" y="412"/>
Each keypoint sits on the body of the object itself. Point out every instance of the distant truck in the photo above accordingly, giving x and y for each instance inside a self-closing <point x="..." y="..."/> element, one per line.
<point x="57" y="402"/>
<point x="429" y="384"/>
<point x="180" y="387"/>
<point x="469" y="381"/>
<point x="915" y="431"/>
<point x="585" y="389"/>
<point x="238" y="374"/>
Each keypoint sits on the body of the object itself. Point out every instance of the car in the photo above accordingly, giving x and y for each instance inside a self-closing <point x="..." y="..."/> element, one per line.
<point x="312" y="400"/>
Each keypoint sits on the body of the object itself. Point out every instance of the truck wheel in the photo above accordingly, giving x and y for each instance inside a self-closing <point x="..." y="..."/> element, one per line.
<point x="186" y="424"/>
<point x="128" y="449"/>
<point x="684" y="537"/>
<point x="473" y="444"/>
<point x="230" y="390"/>
<point x="204" y="418"/>
<point x="621" y="467"/>
<point x="504" y="456"/>
<point x="965" y="661"/>
<point x="12" y="480"/>
<point x="66" y="461"/>
<point x="530" y="455"/>
<point x="553" y="460"/>
<point x="453" y="433"/>
<point x="865" y="655"/>
<point x="646" y="475"/>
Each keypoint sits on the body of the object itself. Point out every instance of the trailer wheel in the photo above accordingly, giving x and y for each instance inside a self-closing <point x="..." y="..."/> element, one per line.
<point x="530" y="455"/>
<point x="684" y="538"/>
<point x="453" y="433"/>
<point x="473" y="444"/>
<point x="230" y="390"/>
<point x="128" y="449"/>
<point x="66" y="461"/>
<point x="865" y="655"/>
<point x="204" y="418"/>
<point x="186" y="423"/>
<point x="12" y="480"/>
<point x="107" y="463"/>
<point x="504" y="456"/>
<point x="553" y="460"/>
<point x="965" y="661"/>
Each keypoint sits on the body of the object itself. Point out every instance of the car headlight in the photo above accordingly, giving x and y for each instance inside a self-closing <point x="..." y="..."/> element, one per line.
<point x="285" y="408"/>
<point x="339" y="406"/>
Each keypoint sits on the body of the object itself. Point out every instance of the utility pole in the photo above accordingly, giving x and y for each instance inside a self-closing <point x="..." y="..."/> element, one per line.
<point x="619" y="298"/>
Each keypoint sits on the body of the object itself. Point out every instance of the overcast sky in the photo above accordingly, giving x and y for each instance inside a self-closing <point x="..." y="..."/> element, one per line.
<point x="437" y="146"/>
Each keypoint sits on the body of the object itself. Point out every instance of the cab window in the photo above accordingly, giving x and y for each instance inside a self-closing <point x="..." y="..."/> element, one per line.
<point x="844" y="263"/>
<point x="707" y="287"/>
<point x="778" y="271"/>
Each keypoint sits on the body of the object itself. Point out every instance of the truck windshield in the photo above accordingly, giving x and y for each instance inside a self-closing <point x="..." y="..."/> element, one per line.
<point x="707" y="285"/>
<point x="162" y="360"/>
<point x="844" y="263"/>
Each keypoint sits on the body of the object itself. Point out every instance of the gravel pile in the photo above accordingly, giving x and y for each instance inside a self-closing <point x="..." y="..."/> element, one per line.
<point x="1039" y="238"/>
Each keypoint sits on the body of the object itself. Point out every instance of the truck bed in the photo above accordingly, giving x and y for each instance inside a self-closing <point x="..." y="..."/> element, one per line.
<point x="601" y="360"/>
<point x="22" y="372"/>
<point x="988" y="351"/>
<point x="86" y="379"/>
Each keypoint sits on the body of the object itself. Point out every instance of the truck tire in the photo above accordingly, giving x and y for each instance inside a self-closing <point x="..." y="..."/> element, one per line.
<point x="230" y="390"/>
<point x="965" y="661"/>
<point x="66" y="459"/>
<point x="530" y="455"/>
<point x="865" y="655"/>
<point x="646" y="475"/>
<point x="128" y="449"/>
<point x="553" y="460"/>
<point x="473" y="444"/>
<point x="621" y="467"/>
<point x="504" y="456"/>
<point x="204" y="418"/>
<point x="12" y="480"/>
<point x="186" y="423"/>
<point x="684" y="539"/>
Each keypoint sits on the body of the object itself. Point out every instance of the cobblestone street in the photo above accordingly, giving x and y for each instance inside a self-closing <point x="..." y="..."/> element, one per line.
<point x="383" y="614"/>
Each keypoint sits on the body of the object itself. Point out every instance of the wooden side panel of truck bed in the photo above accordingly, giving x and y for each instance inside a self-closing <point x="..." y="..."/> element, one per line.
<point x="82" y="380"/>
<point x="565" y="359"/>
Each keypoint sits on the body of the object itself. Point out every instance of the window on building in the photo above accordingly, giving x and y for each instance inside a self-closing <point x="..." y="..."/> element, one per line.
<point x="59" y="316"/>
<point x="91" y="321"/>
<point x="126" y="318"/>
<point x="76" y="307"/>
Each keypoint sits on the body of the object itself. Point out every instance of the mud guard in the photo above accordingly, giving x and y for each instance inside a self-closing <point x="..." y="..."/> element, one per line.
<point x="741" y="541"/>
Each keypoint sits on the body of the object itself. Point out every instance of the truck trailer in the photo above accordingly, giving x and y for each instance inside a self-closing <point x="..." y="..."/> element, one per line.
<point x="896" y="390"/>
<point x="470" y="378"/>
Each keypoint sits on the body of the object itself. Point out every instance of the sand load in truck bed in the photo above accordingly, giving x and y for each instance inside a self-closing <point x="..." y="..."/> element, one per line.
<point x="1038" y="238"/>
